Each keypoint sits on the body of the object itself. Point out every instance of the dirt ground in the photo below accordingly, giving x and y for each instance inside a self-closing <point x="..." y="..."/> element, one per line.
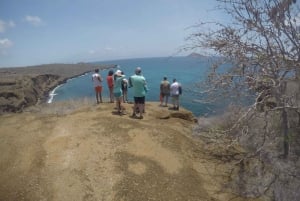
<point x="92" y="154"/>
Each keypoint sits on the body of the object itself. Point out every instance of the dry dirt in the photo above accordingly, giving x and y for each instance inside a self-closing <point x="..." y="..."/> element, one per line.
<point x="93" y="154"/>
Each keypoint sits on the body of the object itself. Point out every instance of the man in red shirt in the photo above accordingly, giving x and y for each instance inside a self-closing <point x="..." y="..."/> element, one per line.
<point x="110" y="84"/>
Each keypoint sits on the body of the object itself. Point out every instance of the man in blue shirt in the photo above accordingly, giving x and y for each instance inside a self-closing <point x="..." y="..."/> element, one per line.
<point x="139" y="85"/>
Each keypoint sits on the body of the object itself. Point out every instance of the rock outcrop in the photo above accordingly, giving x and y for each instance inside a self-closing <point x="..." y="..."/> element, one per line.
<point x="24" y="92"/>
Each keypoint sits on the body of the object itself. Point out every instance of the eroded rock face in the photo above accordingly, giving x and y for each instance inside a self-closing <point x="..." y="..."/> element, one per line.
<point x="26" y="91"/>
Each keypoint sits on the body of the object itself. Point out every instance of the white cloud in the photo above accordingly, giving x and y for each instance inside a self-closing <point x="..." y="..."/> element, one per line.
<point x="99" y="51"/>
<point x="34" y="20"/>
<point x="92" y="52"/>
<point x="4" y="25"/>
<point x="5" y="43"/>
<point x="11" y="24"/>
<point x="108" y="48"/>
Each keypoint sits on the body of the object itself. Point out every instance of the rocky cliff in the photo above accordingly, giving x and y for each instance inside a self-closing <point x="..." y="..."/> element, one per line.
<point x="26" y="91"/>
<point x="26" y="86"/>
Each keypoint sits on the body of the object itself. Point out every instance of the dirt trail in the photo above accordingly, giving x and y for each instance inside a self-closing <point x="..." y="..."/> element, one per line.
<point x="93" y="154"/>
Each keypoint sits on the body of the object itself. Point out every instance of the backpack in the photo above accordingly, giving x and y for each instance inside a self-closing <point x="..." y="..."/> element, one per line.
<point x="124" y="84"/>
<point x="165" y="87"/>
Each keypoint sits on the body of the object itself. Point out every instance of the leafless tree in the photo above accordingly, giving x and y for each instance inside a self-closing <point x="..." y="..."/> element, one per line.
<point x="259" y="53"/>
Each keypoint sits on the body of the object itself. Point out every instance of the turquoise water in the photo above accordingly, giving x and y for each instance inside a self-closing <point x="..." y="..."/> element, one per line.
<point x="186" y="70"/>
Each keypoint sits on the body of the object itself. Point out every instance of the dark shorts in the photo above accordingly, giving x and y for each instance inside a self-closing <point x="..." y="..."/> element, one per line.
<point x="139" y="100"/>
<point x="164" y="94"/>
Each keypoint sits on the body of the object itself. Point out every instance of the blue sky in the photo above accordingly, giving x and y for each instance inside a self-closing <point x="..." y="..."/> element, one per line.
<point x="69" y="31"/>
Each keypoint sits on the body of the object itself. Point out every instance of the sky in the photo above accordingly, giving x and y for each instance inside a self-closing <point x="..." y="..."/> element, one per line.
<point x="34" y="32"/>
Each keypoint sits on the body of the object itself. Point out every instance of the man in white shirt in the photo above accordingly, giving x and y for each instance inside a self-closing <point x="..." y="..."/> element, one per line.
<point x="175" y="91"/>
<point x="97" y="80"/>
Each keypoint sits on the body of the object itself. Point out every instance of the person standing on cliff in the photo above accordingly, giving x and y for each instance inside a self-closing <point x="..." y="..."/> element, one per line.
<point x="175" y="91"/>
<point x="164" y="91"/>
<point x="125" y="89"/>
<point x="97" y="80"/>
<point x="139" y="85"/>
<point x="110" y="84"/>
<point x="117" y="90"/>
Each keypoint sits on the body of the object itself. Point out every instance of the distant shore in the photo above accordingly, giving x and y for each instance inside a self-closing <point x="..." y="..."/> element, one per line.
<point x="26" y="86"/>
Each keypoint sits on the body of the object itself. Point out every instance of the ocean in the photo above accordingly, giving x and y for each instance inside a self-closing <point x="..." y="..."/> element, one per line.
<point x="187" y="70"/>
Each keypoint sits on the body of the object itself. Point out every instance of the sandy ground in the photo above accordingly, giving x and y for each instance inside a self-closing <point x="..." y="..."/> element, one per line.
<point x="93" y="154"/>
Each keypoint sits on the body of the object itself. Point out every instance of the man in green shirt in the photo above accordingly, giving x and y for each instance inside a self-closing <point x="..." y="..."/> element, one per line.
<point x="139" y="85"/>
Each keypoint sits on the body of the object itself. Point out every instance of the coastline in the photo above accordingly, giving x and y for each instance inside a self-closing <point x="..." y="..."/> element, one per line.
<point x="22" y="87"/>
<point x="51" y="93"/>
<point x="64" y="81"/>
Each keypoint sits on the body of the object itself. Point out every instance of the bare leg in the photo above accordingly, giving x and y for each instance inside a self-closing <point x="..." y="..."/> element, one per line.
<point x="100" y="95"/>
<point x="173" y="102"/>
<point x="111" y="95"/>
<point x="177" y="103"/>
<point x="97" y="97"/>
<point x="134" y="110"/>
<point x="125" y="97"/>
<point x="119" y="105"/>
<point x="167" y="97"/>
<point x="142" y="108"/>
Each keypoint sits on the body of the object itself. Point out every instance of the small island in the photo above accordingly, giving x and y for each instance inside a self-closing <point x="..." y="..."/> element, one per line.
<point x="197" y="55"/>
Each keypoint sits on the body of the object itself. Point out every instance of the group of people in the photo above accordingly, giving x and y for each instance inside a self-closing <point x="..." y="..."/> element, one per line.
<point x="118" y="89"/>
<point x="174" y="90"/>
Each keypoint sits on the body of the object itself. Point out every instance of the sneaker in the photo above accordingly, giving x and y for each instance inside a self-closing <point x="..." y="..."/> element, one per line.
<point x="133" y="116"/>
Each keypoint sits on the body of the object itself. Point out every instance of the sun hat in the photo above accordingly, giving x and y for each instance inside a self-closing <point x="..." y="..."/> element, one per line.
<point x="118" y="73"/>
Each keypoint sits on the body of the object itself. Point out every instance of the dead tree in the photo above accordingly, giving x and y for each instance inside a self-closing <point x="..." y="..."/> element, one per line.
<point x="261" y="44"/>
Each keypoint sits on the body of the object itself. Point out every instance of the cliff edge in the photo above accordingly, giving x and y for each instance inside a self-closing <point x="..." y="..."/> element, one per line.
<point x="83" y="151"/>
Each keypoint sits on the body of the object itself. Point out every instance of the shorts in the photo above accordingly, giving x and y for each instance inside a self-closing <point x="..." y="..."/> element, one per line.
<point x="164" y="94"/>
<point x="118" y="94"/>
<point x="175" y="97"/>
<point x="98" y="89"/>
<point x="139" y="100"/>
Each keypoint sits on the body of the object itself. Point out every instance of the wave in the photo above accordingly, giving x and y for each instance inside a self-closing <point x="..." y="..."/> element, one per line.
<point x="52" y="94"/>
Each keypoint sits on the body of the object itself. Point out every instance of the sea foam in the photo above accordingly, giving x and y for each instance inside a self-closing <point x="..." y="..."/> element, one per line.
<point x="52" y="94"/>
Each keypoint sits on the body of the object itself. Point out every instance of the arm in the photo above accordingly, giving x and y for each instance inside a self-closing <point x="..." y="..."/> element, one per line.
<point x="145" y="86"/>
<point x="130" y="82"/>
<point x="99" y="78"/>
<point x="180" y="89"/>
